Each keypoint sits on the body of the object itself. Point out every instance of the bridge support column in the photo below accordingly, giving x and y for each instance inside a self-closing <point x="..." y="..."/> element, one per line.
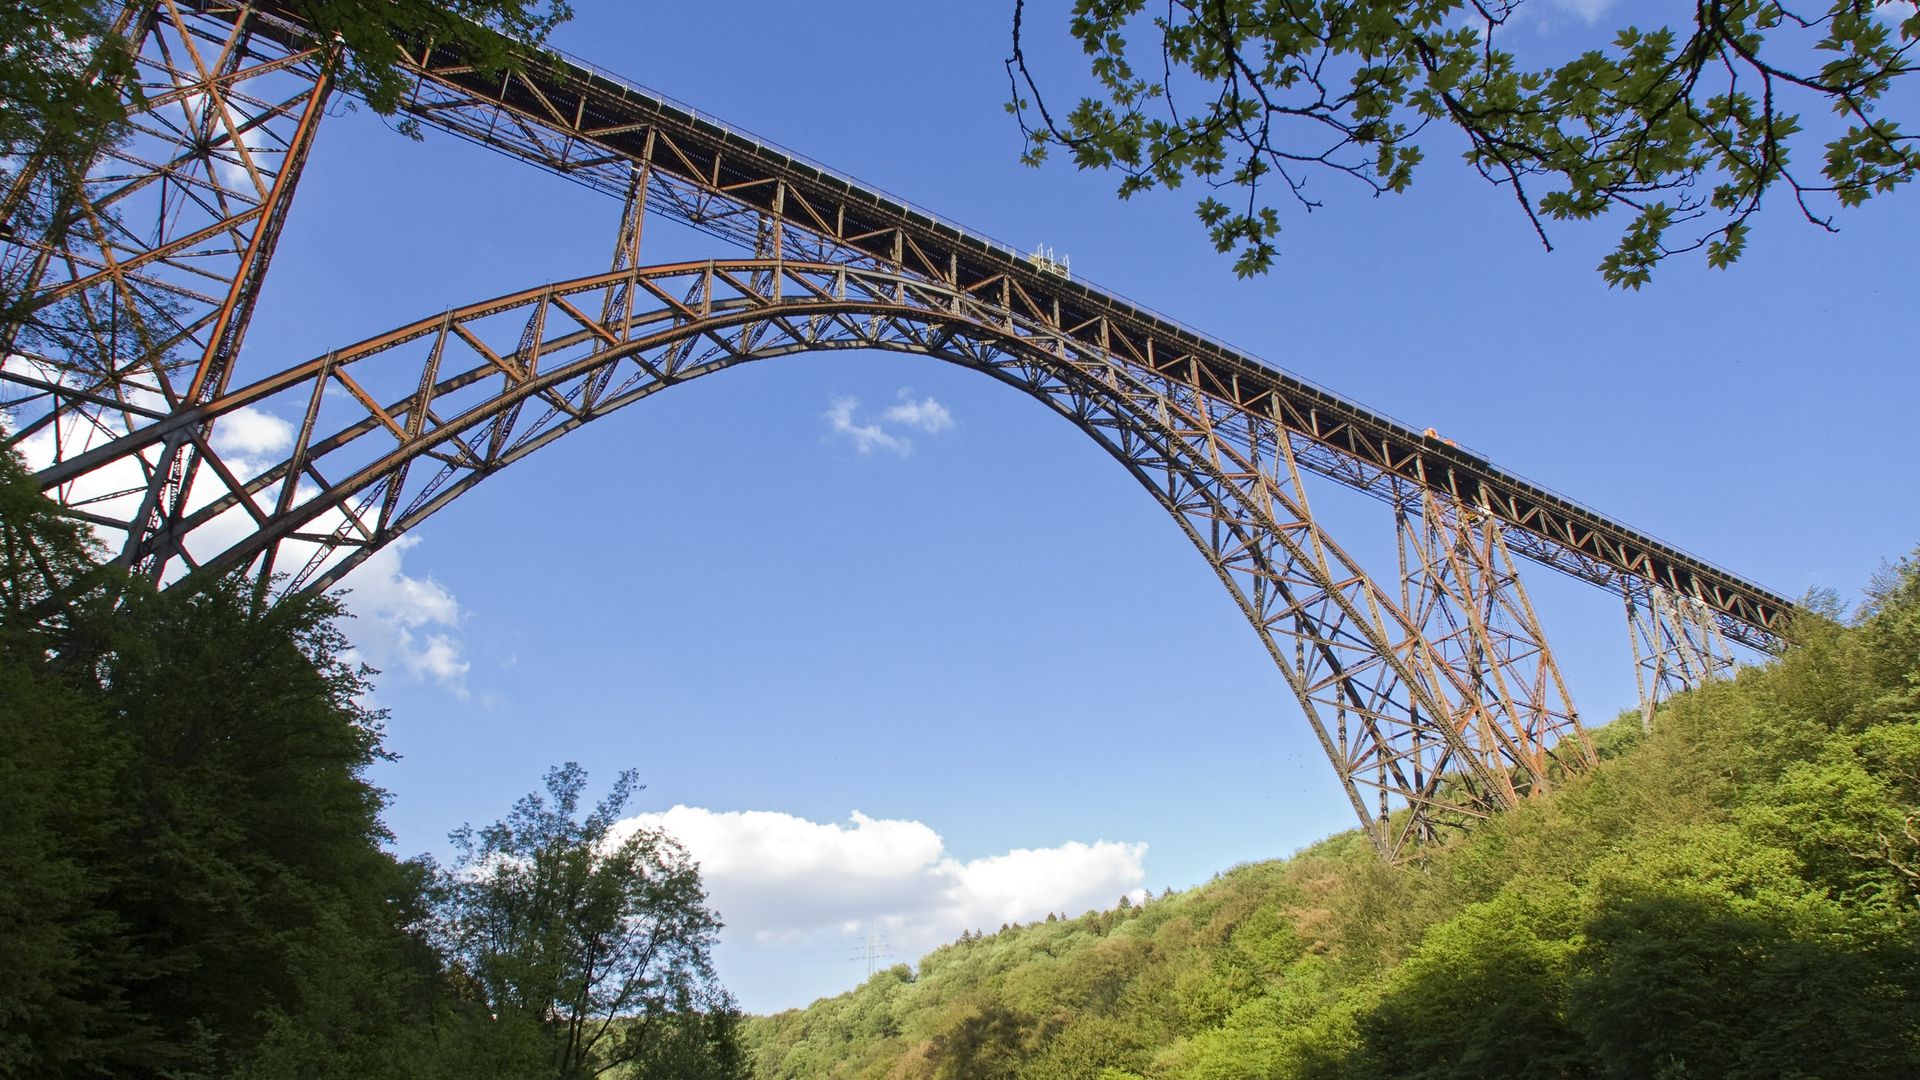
<point x="143" y="270"/>
<point x="1677" y="645"/>
<point x="617" y="305"/>
<point x="1460" y="587"/>
<point x="1412" y="754"/>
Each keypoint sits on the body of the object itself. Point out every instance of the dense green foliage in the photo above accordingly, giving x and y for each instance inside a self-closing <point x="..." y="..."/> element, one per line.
<point x="192" y="878"/>
<point x="1735" y="894"/>
<point x="1686" y="128"/>
<point x="192" y="859"/>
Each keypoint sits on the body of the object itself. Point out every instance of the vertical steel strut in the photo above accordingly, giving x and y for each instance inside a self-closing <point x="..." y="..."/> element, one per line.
<point x="144" y="281"/>
<point x="1460" y="586"/>
<point x="1677" y="645"/>
<point x="155" y="540"/>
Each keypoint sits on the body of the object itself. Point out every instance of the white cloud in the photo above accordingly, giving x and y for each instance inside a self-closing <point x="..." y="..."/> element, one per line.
<point x="249" y="432"/>
<point x="866" y="437"/>
<point x="438" y="656"/>
<point x="405" y="622"/>
<point x="926" y="414"/>
<point x="115" y="488"/>
<point x="1026" y="883"/>
<point x="1588" y="11"/>
<point x="785" y="884"/>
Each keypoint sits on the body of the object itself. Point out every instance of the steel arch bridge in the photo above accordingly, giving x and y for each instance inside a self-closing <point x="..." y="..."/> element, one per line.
<point x="1434" y="694"/>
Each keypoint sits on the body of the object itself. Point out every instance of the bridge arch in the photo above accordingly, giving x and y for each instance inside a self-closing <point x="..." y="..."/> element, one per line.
<point x="397" y="426"/>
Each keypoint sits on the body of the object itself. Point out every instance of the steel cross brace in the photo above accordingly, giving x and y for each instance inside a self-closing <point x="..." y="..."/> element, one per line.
<point x="137" y="285"/>
<point x="1677" y="646"/>
<point x="467" y="393"/>
<point x="1459" y="584"/>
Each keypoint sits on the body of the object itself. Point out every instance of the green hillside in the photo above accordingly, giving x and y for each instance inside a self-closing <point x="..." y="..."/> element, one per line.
<point x="1736" y="894"/>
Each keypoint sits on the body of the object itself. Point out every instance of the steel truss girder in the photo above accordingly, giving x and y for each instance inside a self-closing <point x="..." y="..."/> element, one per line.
<point x="397" y="426"/>
<point x="127" y="434"/>
<point x="137" y="289"/>
<point x="1460" y="587"/>
<point x="594" y="128"/>
<point x="1677" y="645"/>
<point x="591" y="127"/>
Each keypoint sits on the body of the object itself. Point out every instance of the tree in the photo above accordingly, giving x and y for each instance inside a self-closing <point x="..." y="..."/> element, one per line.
<point x="1686" y="130"/>
<point x="587" y="945"/>
<point x="60" y="942"/>
<point x="48" y="559"/>
<point x="1679" y="985"/>
<point x="191" y="873"/>
<point x="985" y="1040"/>
<point x="190" y="862"/>
<point x="1483" y="991"/>
<point x="58" y="95"/>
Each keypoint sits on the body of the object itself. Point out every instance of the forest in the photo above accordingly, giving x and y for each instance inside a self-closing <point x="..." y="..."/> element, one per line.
<point x="1734" y="893"/>
<point x="195" y="881"/>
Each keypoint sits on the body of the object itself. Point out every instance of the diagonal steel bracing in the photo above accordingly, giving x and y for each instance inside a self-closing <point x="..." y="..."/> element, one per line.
<point x="589" y="125"/>
<point x="1677" y="645"/>
<point x="1459" y="585"/>
<point x="138" y="279"/>
<point x="1436" y="702"/>
<point x="488" y="384"/>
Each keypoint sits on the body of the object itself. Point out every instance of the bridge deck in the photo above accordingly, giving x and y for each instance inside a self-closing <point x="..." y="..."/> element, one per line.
<point x="596" y="128"/>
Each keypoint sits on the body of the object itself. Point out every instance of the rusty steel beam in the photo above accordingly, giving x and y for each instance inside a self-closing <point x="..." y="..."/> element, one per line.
<point x="142" y="284"/>
<point x="1435" y="706"/>
<point x="595" y="128"/>
<point x="1459" y="585"/>
<point x="1677" y="646"/>
<point x="591" y="126"/>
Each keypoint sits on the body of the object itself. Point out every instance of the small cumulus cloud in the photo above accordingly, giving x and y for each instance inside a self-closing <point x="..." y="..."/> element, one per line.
<point x="865" y="437"/>
<point x="1587" y="11"/>
<point x="406" y="622"/>
<point x="925" y="415"/>
<point x="438" y="657"/>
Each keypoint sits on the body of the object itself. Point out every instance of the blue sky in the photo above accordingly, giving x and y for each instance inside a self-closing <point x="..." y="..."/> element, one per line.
<point x="896" y="651"/>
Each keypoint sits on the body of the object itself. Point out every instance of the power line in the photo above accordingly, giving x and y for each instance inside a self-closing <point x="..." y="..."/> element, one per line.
<point x="874" y="950"/>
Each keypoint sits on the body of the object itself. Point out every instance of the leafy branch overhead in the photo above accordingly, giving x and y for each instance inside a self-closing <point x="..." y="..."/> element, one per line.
<point x="1685" y="129"/>
<point x="483" y="30"/>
